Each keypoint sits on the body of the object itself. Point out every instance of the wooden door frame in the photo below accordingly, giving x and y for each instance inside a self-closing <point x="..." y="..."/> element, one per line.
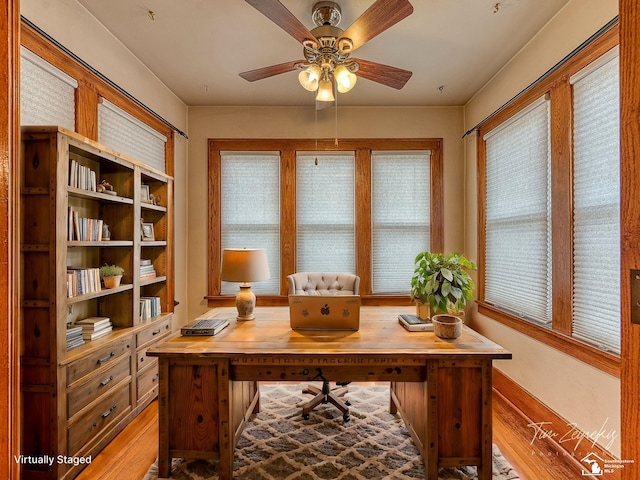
<point x="9" y="154"/>
<point x="630" y="199"/>
<point x="630" y="231"/>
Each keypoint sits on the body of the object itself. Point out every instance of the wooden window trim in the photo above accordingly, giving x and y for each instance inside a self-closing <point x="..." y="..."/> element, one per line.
<point x="288" y="149"/>
<point x="557" y="87"/>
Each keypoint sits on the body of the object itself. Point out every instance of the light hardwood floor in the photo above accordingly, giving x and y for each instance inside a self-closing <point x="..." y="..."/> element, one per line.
<point x="130" y="454"/>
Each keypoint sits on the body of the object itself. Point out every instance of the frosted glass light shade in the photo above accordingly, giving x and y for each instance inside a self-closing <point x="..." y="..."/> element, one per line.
<point x="309" y="77"/>
<point x="345" y="80"/>
<point x="325" y="91"/>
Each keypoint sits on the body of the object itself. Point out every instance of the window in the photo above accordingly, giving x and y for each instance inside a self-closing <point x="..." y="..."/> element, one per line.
<point x="126" y="134"/>
<point x="47" y="95"/>
<point x="325" y="213"/>
<point x="250" y="212"/>
<point x="400" y="211"/>
<point x="550" y="202"/>
<point x="596" y="215"/>
<point x="368" y="207"/>
<point x="517" y="223"/>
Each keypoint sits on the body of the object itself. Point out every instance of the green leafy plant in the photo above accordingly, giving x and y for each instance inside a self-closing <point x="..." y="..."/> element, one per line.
<point x="441" y="281"/>
<point x="111" y="271"/>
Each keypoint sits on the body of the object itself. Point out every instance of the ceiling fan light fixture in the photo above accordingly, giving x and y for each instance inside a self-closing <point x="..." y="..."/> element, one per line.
<point x="309" y="77"/>
<point x="345" y="79"/>
<point x="325" y="90"/>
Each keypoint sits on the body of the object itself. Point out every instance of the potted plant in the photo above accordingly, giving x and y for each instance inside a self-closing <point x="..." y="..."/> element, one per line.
<point x="111" y="275"/>
<point x="441" y="284"/>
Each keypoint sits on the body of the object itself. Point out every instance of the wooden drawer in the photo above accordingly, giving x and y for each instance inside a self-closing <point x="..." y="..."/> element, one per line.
<point x="89" y="424"/>
<point x="147" y="380"/>
<point x="154" y="331"/>
<point x="142" y="360"/>
<point x="98" y="385"/>
<point x="97" y="359"/>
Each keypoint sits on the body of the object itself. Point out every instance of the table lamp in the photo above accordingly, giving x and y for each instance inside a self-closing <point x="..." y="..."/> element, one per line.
<point x="244" y="265"/>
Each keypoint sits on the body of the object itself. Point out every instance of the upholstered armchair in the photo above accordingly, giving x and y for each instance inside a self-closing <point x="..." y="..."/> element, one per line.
<point x="325" y="284"/>
<point x="311" y="283"/>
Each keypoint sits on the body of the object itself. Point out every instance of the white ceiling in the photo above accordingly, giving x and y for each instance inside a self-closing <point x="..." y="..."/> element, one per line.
<point x="198" y="47"/>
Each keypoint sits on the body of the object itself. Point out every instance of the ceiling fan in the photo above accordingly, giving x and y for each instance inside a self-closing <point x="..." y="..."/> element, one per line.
<point x="327" y="48"/>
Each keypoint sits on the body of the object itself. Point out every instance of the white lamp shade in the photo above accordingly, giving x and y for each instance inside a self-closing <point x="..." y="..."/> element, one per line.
<point x="244" y="265"/>
<point x="345" y="80"/>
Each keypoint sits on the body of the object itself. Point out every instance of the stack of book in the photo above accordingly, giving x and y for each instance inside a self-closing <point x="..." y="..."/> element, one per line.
<point x="82" y="280"/>
<point x="74" y="337"/>
<point x="147" y="272"/>
<point x="95" y="327"/>
<point x="149" y="307"/>
<point x="82" y="177"/>
<point x="84" y="229"/>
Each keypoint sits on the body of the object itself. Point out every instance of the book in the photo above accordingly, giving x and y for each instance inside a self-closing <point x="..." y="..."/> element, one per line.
<point x="414" y="323"/>
<point x="94" y="323"/>
<point x="96" y="334"/>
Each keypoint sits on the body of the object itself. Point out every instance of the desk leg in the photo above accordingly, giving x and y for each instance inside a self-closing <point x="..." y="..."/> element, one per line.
<point x="225" y="465"/>
<point x="485" y="470"/>
<point x="430" y="454"/>
<point x="164" y="458"/>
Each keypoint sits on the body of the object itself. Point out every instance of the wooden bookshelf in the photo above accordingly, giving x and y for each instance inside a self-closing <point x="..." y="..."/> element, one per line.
<point x="76" y="400"/>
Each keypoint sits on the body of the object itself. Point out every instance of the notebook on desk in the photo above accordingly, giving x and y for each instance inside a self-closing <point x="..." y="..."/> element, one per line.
<point x="333" y="312"/>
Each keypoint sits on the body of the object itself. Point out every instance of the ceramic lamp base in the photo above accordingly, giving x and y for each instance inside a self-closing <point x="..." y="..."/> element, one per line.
<point x="245" y="303"/>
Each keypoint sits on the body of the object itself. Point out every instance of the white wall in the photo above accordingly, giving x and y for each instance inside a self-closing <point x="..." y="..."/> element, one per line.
<point x="72" y="26"/>
<point x="298" y="122"/>
<point x="576" y="391"/>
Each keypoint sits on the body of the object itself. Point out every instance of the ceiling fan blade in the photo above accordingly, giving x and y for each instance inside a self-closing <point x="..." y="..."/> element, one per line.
<point x="278" y="14"/>
<point x="384" y="74"/>
<point x="270" y="71"/>
<point x="376" y="19"/>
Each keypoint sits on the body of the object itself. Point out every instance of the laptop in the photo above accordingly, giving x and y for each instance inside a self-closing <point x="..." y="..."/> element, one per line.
<point x="315" y="312"/>
<point x="205" y="324"/>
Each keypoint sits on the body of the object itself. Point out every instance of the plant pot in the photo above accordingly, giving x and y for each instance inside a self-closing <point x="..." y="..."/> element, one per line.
<point x="447" y="326"/>
<point x="423" y="310"/>
<point x="112" y="282"/>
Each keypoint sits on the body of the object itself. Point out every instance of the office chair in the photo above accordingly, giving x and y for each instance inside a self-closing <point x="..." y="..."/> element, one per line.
<point x="324" y="284"/>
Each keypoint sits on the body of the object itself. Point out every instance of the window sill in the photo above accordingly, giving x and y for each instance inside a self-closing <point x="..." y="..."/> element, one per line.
<point x="607" y="362"/>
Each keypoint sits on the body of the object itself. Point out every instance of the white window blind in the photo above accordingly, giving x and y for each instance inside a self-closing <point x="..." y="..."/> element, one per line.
<point x="47" y="94"/>
<point x="128" y="135"/>
<point x="596" y="289"/>
<point x="518" y="237"/>
<point x="400" y="216"/>
<point x="325" y="212"/>
<point x="250" y="211"/>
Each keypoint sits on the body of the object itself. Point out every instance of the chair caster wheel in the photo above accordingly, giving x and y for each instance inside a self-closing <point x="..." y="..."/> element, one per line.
<point x="347" y="403"/>
<point x="305" y="416"/>
<point x="346" y="418"/>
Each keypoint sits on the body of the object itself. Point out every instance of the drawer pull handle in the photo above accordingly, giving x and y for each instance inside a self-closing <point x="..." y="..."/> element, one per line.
<point x="106" y="381"/>
<point x="155" y="332"/>
<point x="106" y="359"/>
<point x="108" y="412"/>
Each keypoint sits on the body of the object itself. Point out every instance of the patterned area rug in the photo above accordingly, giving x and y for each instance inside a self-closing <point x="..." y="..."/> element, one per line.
<point x="278" y="444"/>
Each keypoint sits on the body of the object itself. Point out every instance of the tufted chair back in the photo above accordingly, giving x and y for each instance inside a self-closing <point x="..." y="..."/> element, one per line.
<point x="312" y="283"/>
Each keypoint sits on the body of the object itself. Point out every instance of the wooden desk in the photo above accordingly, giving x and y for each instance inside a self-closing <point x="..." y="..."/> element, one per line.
<point x="442" y="388"/>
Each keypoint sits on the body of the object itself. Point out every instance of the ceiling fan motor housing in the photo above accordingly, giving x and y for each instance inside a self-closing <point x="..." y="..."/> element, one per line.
<point x="326" y="13"/>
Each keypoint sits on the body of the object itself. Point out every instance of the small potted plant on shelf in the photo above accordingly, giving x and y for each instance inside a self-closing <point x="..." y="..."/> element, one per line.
<point x="111" y="275"/>
<point x="441" y="284"/>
